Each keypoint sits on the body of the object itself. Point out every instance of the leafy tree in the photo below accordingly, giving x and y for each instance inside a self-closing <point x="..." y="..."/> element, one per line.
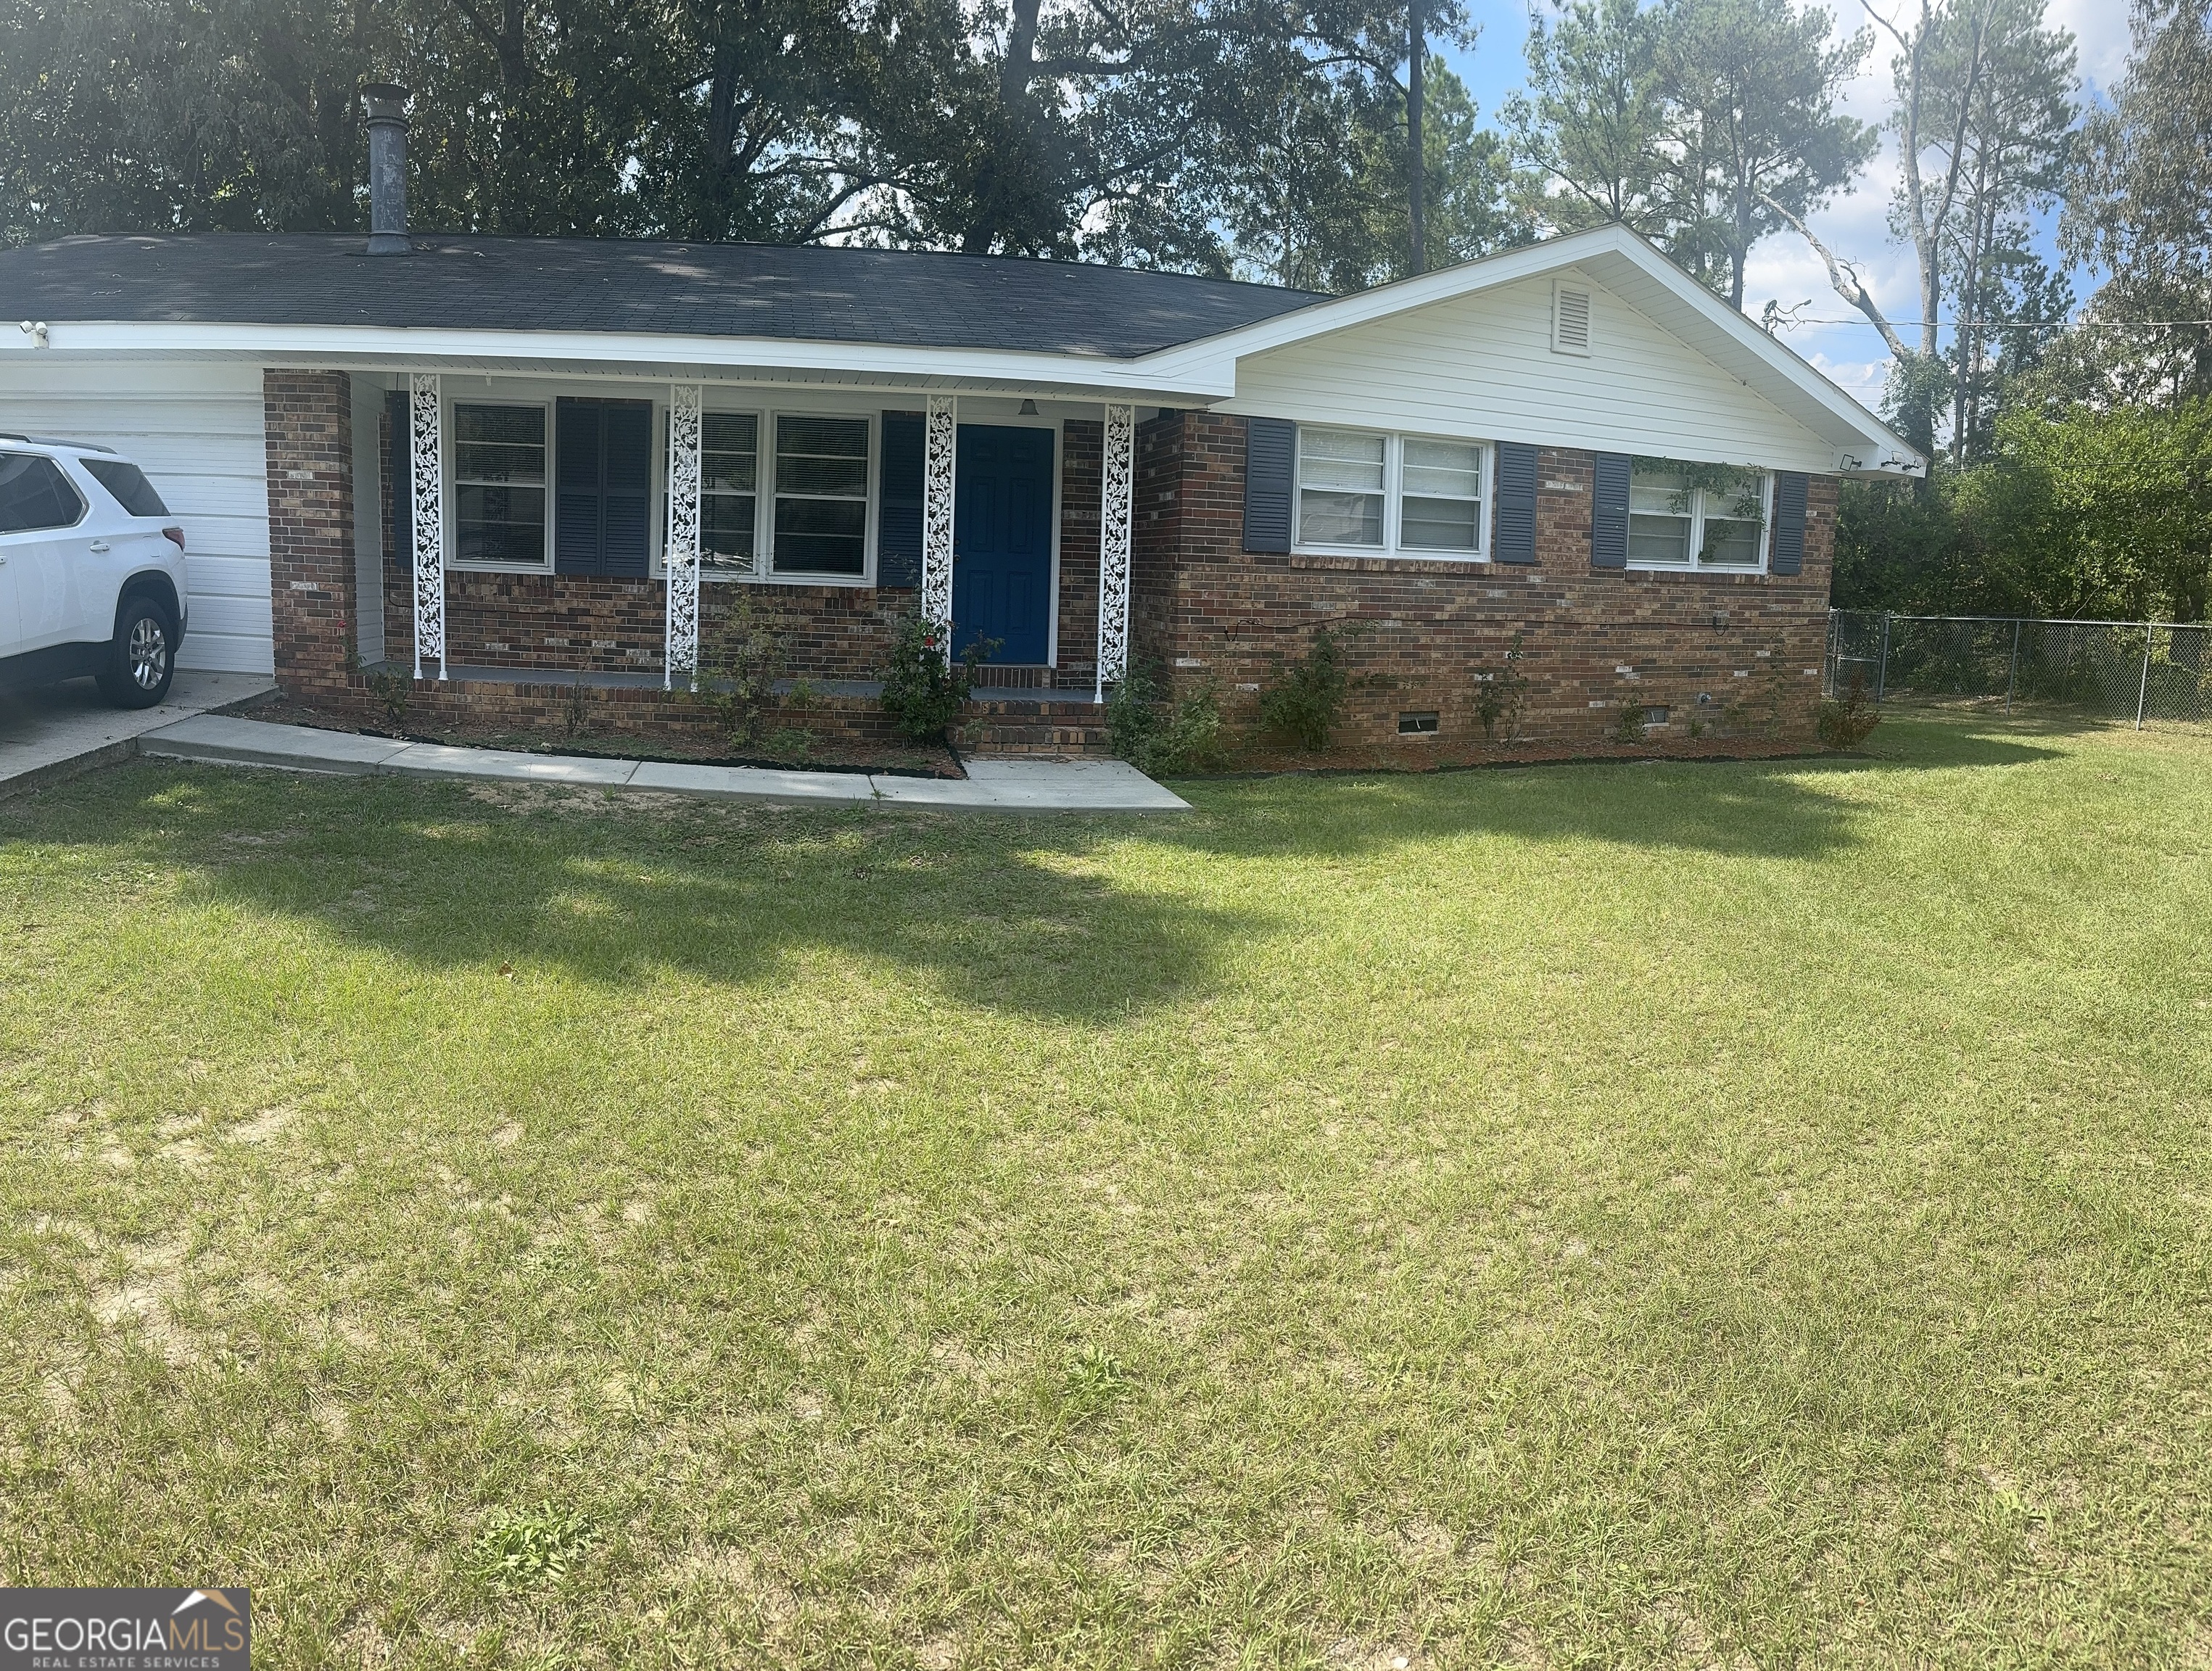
<point x="1753" y="84"/>
<point x="1705" y="125"/>
<point x="2139" y="205"/>
<point x="1335" y="217"/>
<point x="1985" y="94"/>
<point x="1592" y="122"/>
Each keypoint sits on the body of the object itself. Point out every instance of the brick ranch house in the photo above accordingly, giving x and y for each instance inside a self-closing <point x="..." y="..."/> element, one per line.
<point x="509" y="465"/>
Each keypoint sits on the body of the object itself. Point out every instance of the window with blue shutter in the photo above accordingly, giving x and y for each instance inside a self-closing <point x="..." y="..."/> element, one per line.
<point x="1789" y="544"/>
<point x="602" y="487"/>
<point x="1516" y="538"/>
<point x="898" y="499"/>
<point x="1270" y="458"/>
<point x="1609" y="512"/>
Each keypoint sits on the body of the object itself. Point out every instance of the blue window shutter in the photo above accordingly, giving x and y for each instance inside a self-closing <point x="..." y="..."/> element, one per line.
<point x="1609" y="512"/>
<point x="898" y="502"/>
<point x="602" y="487"/>
<point x="1270" y="447"/>
<point x="626" y="498"/>
<point x="1787" y="549"/>
<point x="400" y="488"/>
<point x="1515" y="535"/>
<point x="577" y="431"/>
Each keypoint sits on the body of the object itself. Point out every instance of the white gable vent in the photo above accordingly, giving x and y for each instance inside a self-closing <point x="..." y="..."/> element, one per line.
<point x="1571" y="318"/>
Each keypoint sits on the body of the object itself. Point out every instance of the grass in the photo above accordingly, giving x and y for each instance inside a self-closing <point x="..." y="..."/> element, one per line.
<point x="1637" y="1214"/>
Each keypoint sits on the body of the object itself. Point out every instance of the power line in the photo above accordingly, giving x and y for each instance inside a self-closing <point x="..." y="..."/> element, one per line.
<point x="1783" y="323"/>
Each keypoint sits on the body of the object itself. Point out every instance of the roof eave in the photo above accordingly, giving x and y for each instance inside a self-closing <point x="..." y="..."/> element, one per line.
<point x="641" y="354"/>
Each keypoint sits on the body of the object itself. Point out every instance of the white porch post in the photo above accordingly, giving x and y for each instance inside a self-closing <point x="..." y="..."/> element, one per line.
<point x="1117" y="510"/>
<point x="940" y="459"/>
<point x="681" y="553"/>
<point x="426" y="458"/>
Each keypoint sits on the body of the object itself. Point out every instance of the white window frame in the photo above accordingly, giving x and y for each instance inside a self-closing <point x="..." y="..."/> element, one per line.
<point x="1394" y="467"/>
<point x="450" y="424"/>
<point x="707" y="569"/>
<point x="765" y="539"/>
<point x="1695" y="564"/>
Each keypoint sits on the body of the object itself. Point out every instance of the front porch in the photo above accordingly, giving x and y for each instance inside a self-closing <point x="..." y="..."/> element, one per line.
<point x="517" y="538"/>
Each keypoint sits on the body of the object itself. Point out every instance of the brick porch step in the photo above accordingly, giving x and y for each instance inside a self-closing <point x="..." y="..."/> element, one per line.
<point x="999" y="721"/>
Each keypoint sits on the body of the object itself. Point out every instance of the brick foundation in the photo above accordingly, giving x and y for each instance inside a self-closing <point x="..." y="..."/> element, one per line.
<point x="308" y="421"/>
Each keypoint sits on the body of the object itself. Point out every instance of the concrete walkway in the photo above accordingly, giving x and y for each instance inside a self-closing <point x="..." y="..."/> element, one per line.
<point x="1012" y="786"/>
<point x="53" y="731"/>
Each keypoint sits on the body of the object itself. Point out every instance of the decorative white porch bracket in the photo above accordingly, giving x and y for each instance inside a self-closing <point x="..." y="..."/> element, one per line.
<point x="941" y="450"/>
<point x="681" y="553"/>
<point x="426" y="454"/>
<point x="1117" y="511"/>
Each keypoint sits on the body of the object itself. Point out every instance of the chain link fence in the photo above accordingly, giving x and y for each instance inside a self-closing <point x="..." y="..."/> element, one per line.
<point x="2127" y="671"/>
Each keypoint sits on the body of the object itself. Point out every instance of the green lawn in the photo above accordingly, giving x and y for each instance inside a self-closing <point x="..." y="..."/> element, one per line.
<point x="1640" y="1214"/>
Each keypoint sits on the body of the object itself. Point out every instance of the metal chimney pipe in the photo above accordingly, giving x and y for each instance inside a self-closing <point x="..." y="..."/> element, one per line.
<point x="387" y="168"/>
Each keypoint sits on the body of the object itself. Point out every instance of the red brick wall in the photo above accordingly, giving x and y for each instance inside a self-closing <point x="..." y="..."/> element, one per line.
<point x="570" y="623"/>
<point x="308" y="420"/>
<point x="1423" y="630"/>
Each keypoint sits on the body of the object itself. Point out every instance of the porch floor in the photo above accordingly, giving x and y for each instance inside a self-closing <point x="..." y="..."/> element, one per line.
<point x="1007" y="786"/>
<point x="471" y="673"/>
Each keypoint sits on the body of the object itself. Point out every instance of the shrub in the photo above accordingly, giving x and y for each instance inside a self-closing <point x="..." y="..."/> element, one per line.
<point x="1502" y="697"/>
<point x="738" y="666"/>
<point x="1628" y="723"/>
<point x="1847" y="721"/>
<point x="1303" y="701"/>
<point x="391" y="690"/>
<point x="1157" y="732"/>
<point x="923" y="689"/>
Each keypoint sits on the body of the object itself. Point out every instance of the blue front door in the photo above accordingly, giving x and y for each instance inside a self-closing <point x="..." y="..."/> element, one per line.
<point x="1002" y="543"/>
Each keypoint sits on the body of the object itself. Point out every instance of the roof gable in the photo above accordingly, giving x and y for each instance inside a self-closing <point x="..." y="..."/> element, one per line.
<point x="1628" y="269"/>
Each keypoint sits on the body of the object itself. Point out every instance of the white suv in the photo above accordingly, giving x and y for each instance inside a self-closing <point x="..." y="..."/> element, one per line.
<point x="92" y="571"/>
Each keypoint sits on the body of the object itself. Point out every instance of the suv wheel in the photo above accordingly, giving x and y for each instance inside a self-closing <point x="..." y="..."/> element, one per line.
<point x="141" y="658"/>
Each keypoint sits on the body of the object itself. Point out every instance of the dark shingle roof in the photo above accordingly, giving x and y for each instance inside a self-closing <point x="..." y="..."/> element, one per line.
<point x="804" y="293"/>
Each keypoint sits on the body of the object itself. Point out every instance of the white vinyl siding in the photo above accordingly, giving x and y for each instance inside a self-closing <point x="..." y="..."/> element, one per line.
<point x="196" y="431"/>
<point x="1482" y="368"/>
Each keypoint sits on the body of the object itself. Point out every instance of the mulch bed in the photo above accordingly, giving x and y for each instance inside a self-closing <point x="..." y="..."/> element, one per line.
<point x="822" y="754"/>
<point x="1258" y="759"/>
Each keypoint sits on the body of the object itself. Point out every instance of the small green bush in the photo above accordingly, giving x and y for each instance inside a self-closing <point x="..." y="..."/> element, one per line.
<point x="923" y="688"/>
<point x="1847" y="721"/>
<point x="1161" y="733"/>
<point x="1303" y="701"/>
<point x="1628" y="723"/>
<point x="738" y="666"/>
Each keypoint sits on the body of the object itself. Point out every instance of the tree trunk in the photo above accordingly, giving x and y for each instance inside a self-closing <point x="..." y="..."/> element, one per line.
<point x="1417" y="162"/>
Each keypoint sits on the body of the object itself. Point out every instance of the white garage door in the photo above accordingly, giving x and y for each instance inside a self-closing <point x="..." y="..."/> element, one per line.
<point x="196" y="431"/>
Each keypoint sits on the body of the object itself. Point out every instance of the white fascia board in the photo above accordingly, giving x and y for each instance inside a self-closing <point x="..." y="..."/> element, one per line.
<point x="1616" y="257"/>
<point x="874" y="365"/>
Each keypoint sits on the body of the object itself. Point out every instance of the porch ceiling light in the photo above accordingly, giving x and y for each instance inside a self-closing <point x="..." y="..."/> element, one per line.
<point x="1029" y="409"/>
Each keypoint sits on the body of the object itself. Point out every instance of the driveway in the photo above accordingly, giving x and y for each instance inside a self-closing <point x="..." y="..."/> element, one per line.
<point x="48" y="732"/>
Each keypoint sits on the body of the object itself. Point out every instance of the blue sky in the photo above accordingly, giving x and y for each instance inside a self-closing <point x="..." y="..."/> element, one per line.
<point x="1855" y="225"/>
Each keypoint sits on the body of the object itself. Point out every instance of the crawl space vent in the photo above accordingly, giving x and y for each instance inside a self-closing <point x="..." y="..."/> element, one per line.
<point x="1416" y="725"/>
<point x="1570" y="318"/>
